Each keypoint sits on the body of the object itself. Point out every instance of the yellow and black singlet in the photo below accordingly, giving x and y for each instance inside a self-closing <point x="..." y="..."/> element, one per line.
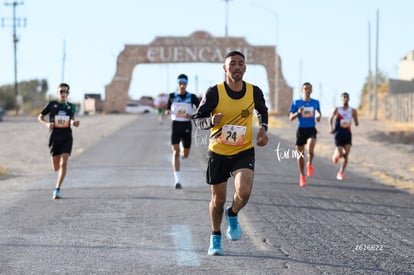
<point x="235" y="133"/>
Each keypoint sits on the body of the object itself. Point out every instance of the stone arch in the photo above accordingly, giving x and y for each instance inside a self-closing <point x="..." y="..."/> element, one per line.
<point x="199" y="47"/>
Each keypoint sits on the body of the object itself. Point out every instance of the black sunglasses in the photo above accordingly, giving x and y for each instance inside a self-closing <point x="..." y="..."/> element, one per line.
<point x="64" y="91"/>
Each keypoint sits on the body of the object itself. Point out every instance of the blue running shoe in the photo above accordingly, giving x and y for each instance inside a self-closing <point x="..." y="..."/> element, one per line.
<point x="233" y="231"/>
<point x="56" y="194"/>
<point x="215" y="246"/>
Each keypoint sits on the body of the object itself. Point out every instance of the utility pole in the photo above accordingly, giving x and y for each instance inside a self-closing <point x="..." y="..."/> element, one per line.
<point x="63" y="61"/>
<point x="376" y="71"/>
<point x="369" y="86"/>
<point x="275" y="104"/>
<point x="226" y="29"/>
<point x="16" y="23"/>
<point x="300" y="78"/>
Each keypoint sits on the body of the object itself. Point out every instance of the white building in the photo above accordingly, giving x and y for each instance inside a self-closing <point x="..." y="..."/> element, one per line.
<point x="406" y="67"/>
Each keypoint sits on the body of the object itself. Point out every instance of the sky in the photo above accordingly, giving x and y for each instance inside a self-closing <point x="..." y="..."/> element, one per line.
<point x="325" y="42"/>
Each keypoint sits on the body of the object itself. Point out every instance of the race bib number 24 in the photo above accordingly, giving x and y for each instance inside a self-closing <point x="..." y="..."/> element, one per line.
<point x="233" y="134"/>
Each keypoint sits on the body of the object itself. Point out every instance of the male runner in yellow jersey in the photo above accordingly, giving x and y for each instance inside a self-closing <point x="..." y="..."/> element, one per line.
<point x="227" y="109"/>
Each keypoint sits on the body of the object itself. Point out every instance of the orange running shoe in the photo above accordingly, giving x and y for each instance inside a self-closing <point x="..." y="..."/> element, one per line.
<point x="340" y="175"/>
<point x="302" y="181"/>
<point x="309" y="169"/>
<point x="335" y="158"/>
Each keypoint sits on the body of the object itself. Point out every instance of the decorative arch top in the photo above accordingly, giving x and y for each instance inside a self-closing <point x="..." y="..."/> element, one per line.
<point x="199" y="47"/>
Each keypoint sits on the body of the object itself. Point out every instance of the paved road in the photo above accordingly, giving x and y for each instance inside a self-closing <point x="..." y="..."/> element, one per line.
<point x="120" y="214"/>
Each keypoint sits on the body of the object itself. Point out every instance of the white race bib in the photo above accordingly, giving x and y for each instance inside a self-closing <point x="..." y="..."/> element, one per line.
<point x="308" y="112"/>
<point x="345" y="123"/>
<point x="62" y="121"/>
<point x="233" y="134"/>
<point x="181" y="109"/>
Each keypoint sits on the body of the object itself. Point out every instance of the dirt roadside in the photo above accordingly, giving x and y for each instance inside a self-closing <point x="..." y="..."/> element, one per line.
<point x="381" y="149"/>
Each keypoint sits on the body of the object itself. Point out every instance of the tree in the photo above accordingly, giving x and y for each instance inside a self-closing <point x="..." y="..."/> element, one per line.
<point x="32" y="91"/>
<point x="382" y="78"/>
<point x="366" y="105"/>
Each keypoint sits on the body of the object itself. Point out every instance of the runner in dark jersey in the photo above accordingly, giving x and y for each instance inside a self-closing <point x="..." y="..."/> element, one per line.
<point x="61" y="116"/>
<point x="180" y="106"/>
<point x="343" y="117"/>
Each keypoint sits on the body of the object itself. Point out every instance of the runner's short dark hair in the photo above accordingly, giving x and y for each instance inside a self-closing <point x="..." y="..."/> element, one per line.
<point x="182" y="76"/>
<point x="64" y="85"/>
<point x="233" y="53"/>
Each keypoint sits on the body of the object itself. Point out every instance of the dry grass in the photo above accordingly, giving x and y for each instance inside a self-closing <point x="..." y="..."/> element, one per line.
<point x="2" y="171"/>
<point x="394" y="181"/>
<point x="400" y="126"/>
<point x="274" y="122"/>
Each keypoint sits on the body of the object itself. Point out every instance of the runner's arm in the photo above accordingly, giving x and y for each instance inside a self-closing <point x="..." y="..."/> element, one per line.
<point x="202" y="117"/>
<point x="195" y="101"/>
<point x="294" y="112"/>
<point x="331" y="118"/>
<point x="318" y="110"/>
<point x="355" y="116"/>
<point x="43" y="113"/>
<point x="73" y="121"/>
<point x="261" y="108"/>
<point x="169" y="103"/>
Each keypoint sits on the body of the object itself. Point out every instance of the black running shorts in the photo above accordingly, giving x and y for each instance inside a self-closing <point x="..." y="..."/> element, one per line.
<point x="303" y="134"/>
<point x="220" y="168"/>
<point x="343" y="140"/>
<point x="181" y="131"/>
<point x="60" y="145"/>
